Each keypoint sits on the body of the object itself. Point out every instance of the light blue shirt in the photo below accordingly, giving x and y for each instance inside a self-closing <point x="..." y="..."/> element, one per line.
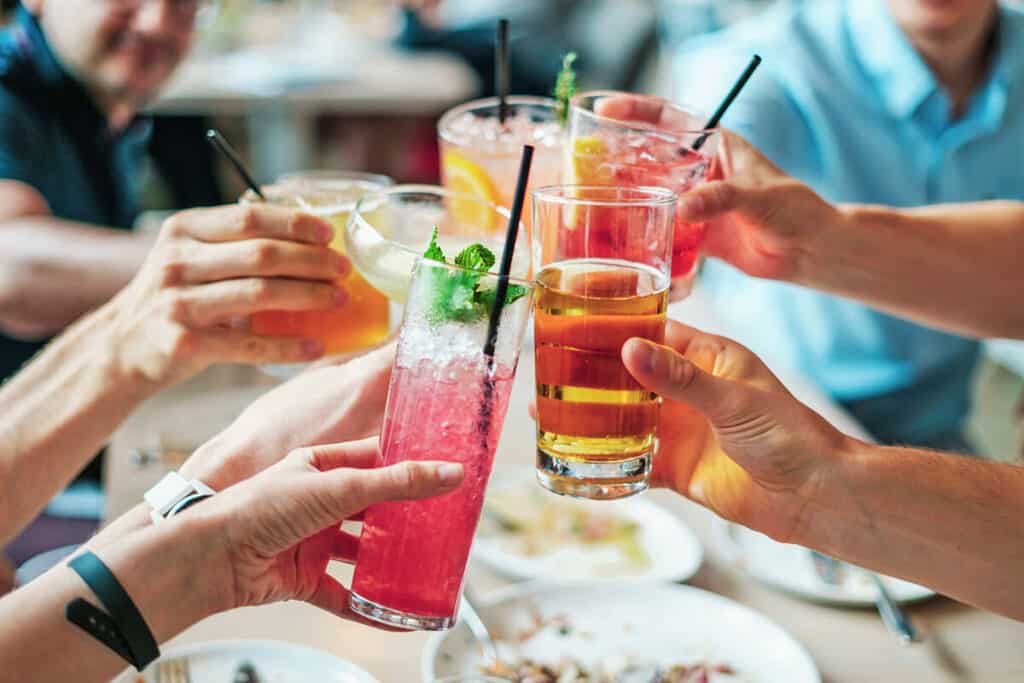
<point x="844" y="103"/>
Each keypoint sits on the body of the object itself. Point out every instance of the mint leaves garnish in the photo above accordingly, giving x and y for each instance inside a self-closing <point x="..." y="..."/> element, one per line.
<point x="456" y="295"/>
<point x="565" y="87"/>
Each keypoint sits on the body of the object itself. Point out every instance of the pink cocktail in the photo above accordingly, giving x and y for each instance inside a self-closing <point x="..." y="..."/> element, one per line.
<point x="446" y="401"/>
<point x="630" y="140"/>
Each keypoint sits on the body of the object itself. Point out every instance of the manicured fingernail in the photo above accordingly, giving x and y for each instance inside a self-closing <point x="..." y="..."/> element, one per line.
<point x="449" y="474"/>
<point x="312" y="348"/>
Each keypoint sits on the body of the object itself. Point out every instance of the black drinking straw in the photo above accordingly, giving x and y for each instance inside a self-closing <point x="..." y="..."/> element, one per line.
<point x="506" y="255"/>
<point x="220" y="144"/>
<point x="724" y="106"/>
<point x="501" y="68"/>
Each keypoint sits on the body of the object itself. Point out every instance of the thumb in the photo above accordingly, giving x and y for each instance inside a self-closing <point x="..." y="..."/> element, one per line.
<point x="670" y="375"/>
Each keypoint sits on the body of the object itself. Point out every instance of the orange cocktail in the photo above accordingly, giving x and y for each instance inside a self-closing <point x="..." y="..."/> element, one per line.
<point x="365" y="319"/>
<point x="602" y="278"/>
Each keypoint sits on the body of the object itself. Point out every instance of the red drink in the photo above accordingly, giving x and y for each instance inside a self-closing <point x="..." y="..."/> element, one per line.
<point x="446" y="401"/>
<point x="412" y="555"/>
<point x="638" y="153"/>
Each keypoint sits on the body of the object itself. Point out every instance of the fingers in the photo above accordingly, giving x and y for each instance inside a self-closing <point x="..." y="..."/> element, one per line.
<point x="234" y="346"/>
<point x="260" y="257"/>
<point x="629" y="108"/>
<point x="204" y="305"/>
<point x="251" y="221"/>
<point x="672" y="376"/>
<point x="357" y="454"/>
<point x="404" y="481"/>
<point x="713" y="199"/>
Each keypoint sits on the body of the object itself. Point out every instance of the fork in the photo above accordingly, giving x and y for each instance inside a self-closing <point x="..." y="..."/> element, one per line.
<point x="173" y="671"/>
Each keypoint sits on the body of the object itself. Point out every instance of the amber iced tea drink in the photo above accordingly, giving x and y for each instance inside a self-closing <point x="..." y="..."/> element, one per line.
<point x="602" y="256"/>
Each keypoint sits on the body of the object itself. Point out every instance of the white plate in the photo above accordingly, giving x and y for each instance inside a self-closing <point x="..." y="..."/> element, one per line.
<point x="666" y="624"/>
<point x="275" y="662"/>
<point x="791" y="569"/>
<point x="672" y="549"/>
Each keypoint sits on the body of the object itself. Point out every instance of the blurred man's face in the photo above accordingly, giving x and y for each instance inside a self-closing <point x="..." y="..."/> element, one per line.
<point x="123" y="50"/>
<point x="939" y="17"/>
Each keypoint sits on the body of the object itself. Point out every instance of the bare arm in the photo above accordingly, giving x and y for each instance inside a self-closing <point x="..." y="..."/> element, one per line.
<point x="952" y="266"/>
<point x="945" y="521"/>
<point x="51" y="270"/>
<point x="757" y="456"/>
<point x="57" y="413"/>
<point x="955" y="266"/>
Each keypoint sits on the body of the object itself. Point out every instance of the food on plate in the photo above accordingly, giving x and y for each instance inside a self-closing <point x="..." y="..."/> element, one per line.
<point x="611" y="670"/>
<point x="533" y="523"/>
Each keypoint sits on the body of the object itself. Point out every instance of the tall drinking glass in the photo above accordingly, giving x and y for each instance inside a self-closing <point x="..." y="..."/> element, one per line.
<point x="365" y="319"/>
<point x="602" y="256"/>
<point x="480" y="155"/>
<point x="619" y="145"/>
<point x="446" y="400"/>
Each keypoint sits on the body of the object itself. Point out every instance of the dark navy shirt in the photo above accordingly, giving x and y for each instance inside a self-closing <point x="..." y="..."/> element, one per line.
<point x="54" y="138"/>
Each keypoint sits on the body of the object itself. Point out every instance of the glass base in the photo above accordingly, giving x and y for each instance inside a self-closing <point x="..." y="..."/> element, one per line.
<point x="392" y="617"/>
<point x="593" y="480"/>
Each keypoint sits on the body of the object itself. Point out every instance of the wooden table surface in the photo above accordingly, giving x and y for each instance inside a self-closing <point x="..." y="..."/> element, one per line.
<point x="849" y="645"/>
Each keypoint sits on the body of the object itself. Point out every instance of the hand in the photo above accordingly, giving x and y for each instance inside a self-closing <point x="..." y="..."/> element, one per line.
<point x="278" y="530"/>
<point x="326" y="405"/>
<point x="731" y="437"/>
<point x="208" y="269"/>
<point x="759" y="219"/>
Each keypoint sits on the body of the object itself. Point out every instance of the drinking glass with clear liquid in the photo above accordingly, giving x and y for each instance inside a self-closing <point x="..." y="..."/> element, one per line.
<point x="603" y="261"/>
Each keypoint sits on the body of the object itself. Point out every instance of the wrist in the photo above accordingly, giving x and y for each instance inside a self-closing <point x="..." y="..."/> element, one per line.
<point x="172" y="572"/>
<point x="830" y="503"/>
<point x="821" y="242"/>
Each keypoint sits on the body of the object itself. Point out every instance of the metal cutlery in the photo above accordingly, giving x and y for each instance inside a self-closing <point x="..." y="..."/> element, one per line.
<point x="830" y="571"/>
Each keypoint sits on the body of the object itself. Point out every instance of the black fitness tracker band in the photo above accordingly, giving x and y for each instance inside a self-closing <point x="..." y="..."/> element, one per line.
<point x="121" y="627"/>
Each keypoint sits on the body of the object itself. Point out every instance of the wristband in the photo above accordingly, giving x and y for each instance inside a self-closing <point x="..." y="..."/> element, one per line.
<point x="122" y="627"/>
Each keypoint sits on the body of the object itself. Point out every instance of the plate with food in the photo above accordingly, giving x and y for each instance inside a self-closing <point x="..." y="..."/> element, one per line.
<point x="266" y="661"/>
<point x="794" y="570"/>
<point x="654" y="633"/>
<point x="529" y="533"/>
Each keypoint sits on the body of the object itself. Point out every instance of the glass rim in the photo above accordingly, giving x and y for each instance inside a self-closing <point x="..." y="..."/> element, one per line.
<point x="681" y="107"/>
<point x="646" y="195"/>
<point x="326" y="175"/>
<point x="375" y="199"/>
<point x="444" y="123"/>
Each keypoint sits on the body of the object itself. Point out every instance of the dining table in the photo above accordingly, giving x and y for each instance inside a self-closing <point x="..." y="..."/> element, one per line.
<point x="849" y="645"/>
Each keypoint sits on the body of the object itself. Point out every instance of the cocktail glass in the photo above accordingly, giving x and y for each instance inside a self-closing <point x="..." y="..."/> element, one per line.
<point x="648" y="143"/>
<point x="480" y="154"/>
<point x="366" y="318"/>
<point x="446" y="401"/>
<point x="389" y="230"/>
<point x="602" y="256"/>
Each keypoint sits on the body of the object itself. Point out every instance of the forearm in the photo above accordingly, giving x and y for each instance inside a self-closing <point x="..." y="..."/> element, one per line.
<point x="956" y="267"/>
<point x="52" y="271"/>
<point x="161" y="568"/>
<point x="57" y="413"/>
<point x="953" y="523"/>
